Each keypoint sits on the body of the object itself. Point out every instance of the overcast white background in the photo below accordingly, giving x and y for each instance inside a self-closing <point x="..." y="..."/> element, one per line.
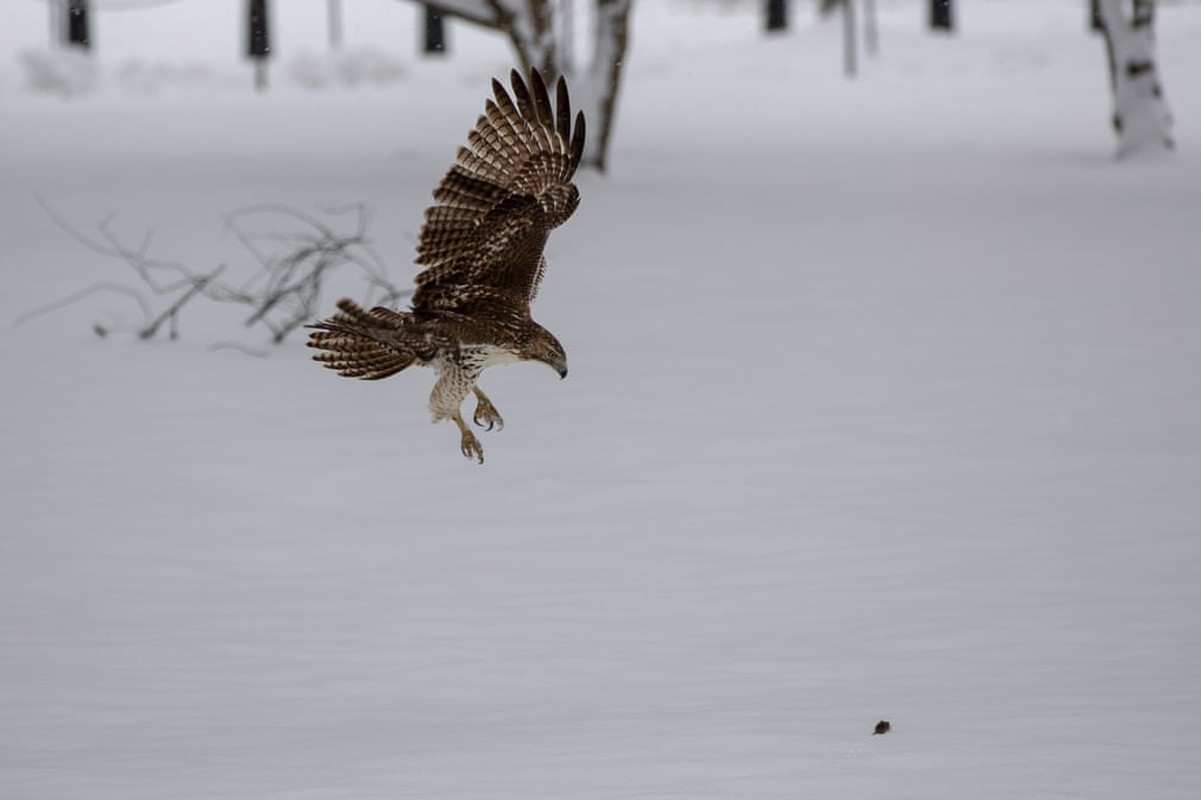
<point x="883" y="405"/>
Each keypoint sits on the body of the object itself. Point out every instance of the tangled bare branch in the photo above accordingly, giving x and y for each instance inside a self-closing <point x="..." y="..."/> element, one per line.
<point x="294" y="253"/>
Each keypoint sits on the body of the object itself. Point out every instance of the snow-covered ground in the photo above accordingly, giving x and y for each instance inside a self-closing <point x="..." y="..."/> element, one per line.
<point x="883" y="405"/>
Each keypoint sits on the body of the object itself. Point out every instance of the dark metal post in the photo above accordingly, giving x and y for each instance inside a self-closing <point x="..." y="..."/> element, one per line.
<point x="777" y="15"/>
<point x="258" y="39"/>
<point x="77" y="24"/>
<point x="942" y="16"/>
<point x="1095" y="22"/>
<point x="435" y="33"/>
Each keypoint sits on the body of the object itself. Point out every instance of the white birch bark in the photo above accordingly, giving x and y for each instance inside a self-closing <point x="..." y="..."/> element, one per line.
<point x="58" y="26"/>
<point x="850" y="55"/>
<point x="334" y="14"/>
<point x="1140" y="113"/>
<point x="566" y="30"/>
<point x="871" y="31"/>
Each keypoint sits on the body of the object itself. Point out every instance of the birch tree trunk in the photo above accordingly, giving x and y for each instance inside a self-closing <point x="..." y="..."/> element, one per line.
<point x="850" y="56"/>
<point x="334" y="16"/>
<point x="566" y="34"/>
<point x="56" y="22"/>
<point x="871" y="31"/>
<point x="1140" y="113"/>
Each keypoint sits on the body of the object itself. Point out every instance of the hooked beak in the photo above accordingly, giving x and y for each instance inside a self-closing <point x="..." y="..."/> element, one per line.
<point x="559" y="366"/>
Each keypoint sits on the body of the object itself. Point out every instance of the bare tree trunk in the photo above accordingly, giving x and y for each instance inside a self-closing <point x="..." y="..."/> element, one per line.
<point x="530" y="26"/>
<point x="56" y="21"/>
<point x="850" y="56"/>
<point x="566" y="35"/>
<point x="1140" y="113"/>
<point x="541" y="41"/>
<point x="871" y="34"/>
<point x="612" y="40"/>
<point x="335" y="24"/>
<point x="536" y="32"/>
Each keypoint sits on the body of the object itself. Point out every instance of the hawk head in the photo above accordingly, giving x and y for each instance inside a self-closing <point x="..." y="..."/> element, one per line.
<point x="541" y="345"/>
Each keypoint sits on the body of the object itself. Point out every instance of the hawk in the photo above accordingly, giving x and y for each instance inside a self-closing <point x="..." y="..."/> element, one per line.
<point x="481" y="245"/>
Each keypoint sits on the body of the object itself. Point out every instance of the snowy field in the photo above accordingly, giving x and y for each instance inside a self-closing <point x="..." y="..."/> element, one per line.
<point x="883" y="405"/>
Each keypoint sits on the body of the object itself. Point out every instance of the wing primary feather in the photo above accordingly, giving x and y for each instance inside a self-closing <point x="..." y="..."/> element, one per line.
<point x="577" y="140"/>
<point x="522" y="94"/>
<point x="542" y="100"/>
<point x="562" y="111"/>
<point x="539" y="117"/>
<point x="535" y="135"/>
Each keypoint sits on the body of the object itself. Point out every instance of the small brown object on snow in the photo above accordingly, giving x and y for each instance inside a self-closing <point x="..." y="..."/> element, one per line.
<point x="882" y="727"/>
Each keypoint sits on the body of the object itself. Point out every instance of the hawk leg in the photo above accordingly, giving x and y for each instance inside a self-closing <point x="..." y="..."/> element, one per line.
<point x="468" y="445"/>
<point x="485" y="412"/>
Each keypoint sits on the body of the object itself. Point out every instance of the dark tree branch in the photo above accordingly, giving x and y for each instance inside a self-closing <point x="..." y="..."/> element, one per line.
<point x="294" y="256"/>
<point x="172" y="312"/>
<point x="87" y="291"/>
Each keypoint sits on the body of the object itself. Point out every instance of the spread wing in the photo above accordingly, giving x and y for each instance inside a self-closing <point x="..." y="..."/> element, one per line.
<point x="508" y="188"/>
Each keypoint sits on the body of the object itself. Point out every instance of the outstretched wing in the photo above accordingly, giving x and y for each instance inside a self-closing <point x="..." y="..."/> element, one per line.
<point x="508" y="188"/>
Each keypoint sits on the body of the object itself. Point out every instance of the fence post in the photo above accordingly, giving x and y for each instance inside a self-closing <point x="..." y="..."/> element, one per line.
<point x="258" y="40"/>
<point x="941" y="15"/>
<point x="435" y="33"/>
<point x="77" y="24"/>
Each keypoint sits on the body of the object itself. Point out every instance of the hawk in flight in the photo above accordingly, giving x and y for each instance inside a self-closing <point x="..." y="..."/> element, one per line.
<point x="481" y="246"/>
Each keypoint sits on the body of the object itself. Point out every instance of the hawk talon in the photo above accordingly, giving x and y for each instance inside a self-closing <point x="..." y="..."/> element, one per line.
<point x="486" y="414"/>
<point x="470" y="447"/>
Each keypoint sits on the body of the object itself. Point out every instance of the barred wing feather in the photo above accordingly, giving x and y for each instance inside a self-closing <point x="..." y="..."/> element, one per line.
<point x="508" y="188"/>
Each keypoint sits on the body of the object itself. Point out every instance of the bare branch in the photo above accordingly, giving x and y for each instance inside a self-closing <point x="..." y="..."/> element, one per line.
<point x="250" y="351"/>
<point x="173" y="311"/>
<point x="294" y="255"/>
<point x="87" y="291"/>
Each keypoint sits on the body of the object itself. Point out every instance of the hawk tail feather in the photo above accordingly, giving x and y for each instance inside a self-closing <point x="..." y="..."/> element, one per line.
<point x="369" y="345"/>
